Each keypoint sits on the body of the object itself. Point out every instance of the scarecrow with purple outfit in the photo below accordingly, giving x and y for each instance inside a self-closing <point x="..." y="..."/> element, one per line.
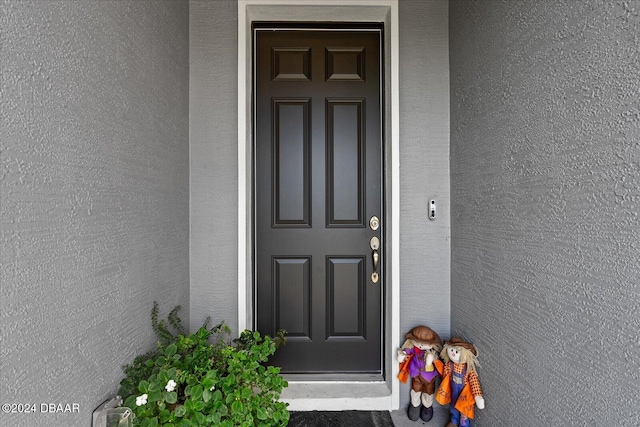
<point x="416" y="357"/>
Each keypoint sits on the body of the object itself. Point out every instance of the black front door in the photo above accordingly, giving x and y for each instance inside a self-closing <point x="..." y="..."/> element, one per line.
<point x="318" y="183"/>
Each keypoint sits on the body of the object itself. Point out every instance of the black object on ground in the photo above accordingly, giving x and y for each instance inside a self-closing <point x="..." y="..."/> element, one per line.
<point x="340" y="419"/>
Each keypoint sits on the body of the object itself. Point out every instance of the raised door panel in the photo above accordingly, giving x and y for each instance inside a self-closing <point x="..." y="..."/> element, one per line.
<point x="291" y="163"/>
<point x="345" y="163"/>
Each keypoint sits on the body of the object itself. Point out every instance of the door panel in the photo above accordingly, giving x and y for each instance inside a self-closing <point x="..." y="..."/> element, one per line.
<point x="291" y="162"/>
<point x="345" y="162"/>
<point x="292" y="283"/>
<point x="346" y="296"/>
<point x="318" y="180"/>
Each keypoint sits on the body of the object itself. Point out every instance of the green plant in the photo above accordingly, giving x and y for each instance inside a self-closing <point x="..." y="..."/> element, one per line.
<point x="202" y="379"/>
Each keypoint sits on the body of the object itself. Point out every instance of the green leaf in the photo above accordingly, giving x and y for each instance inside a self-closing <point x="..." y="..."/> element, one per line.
<point x="185" y="423"/>
<point x="170" y="350"/>
<point x="180" y="411"/>
<point x="155" y="386"/>
<point x="214" y="418"/>
<point x="153" y="422"/>
<point x="262" y="414"/>
<point x="143" y="386"/>
<point x="246" y="393"/>
<point x="206" y="395"/>
<point x="154" y="396"/>
<point x="130" y="402"/>
<point x="236" y="406"/>
<point x="164" y="415"/>
<point x="207" y="383"/>
<point x="171" y="397"/>
<point x="199" y="418"/>
<point x="196" y="392"/>
<point x="198" y="406"/>
<point x="224" y="410"/>
<point x="230" y="380"/>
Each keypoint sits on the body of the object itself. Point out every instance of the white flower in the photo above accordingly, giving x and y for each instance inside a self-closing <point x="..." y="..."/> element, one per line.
<point x="171" y="385"/>
<point x="141" y="400"/>
<point x="213" y="387"/>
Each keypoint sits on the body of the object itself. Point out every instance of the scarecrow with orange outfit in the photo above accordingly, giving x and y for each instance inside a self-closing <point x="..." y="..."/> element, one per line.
<point x="416" y="357"/>
<point x="460" y="385"/>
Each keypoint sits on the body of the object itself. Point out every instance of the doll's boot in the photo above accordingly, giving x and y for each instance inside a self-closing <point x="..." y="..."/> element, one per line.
<point x="426" y="413"/>
<point x="413" y="412"/>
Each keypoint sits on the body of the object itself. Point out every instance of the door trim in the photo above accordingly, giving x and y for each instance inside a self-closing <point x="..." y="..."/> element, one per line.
<point x="385" y="11"/>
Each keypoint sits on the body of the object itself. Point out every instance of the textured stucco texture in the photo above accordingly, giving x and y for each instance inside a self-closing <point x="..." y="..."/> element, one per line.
<point x="214" y="161"/>
<point x="424" y="169"/>
<point x="545" y="187"/>
<point x="95" y="195"/>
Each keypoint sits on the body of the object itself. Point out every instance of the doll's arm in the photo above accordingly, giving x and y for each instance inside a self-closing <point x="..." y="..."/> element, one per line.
<point x="439" y="367"/>
<point x="407" y="348"/>
<point x="431" y="356"/>
<point x="475" y="390"/>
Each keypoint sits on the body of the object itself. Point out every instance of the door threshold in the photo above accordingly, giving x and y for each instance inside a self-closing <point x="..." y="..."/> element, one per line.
<point x="333" y="377"/>
<point x="337" y="396"/>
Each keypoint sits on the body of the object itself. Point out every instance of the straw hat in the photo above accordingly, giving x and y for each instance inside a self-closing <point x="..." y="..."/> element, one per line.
<point x="424" y="335"/>
<point x="459" y="342"/>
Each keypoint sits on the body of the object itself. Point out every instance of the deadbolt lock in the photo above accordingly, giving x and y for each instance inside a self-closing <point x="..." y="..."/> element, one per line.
<point x="374" y="223"/>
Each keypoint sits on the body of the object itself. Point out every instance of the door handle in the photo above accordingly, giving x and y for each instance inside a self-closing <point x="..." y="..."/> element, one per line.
<point x="374" y="243"/>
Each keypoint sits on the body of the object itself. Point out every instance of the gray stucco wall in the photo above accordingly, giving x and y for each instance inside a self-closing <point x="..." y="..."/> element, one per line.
<point x="545" y="183"/>
<point x="94" y="182"/>
<point x="424" y="169"/>
<point x="214" y="161"/>
<point x="424" y="165"/>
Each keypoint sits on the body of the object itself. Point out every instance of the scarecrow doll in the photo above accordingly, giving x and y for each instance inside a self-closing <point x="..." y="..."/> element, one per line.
<point x="416" y="357"/>
<point x="460" y="385"/>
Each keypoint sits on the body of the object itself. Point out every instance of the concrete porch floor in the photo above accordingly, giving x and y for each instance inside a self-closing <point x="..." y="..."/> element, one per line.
<point x="399" y="419"/>
<point x="440" y="418"/>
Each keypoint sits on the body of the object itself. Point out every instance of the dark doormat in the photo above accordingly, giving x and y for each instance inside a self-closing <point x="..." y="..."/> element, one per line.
<point x="340" y="419"/>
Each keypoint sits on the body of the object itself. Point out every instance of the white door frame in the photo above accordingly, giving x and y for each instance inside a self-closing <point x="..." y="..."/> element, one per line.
<point x="328" y="395"/>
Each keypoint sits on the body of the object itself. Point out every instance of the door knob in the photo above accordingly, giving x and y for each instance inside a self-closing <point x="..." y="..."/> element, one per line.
<point x="374" y="243"/>
<point x="375" y="276"/>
